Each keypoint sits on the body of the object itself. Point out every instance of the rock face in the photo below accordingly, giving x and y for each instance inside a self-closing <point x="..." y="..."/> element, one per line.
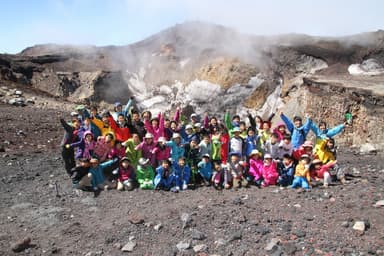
<point x="206" y="67"/>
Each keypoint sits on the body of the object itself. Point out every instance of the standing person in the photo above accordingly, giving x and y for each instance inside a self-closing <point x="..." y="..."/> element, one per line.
<point x="155" y="126"/>
<point x="70" y="136"/>
<point x="177" y="147"/>
<point x="298" y="131"/>
<point x="237" y="143"/>
<point x="137" y="125"/>
<point x="84" y="147"/>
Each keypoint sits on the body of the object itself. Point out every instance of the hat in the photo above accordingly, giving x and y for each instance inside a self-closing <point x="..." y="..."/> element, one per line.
<point x="317" y="161"/>
<point x="94" y="161"/>
<point x="188" y="126"/>
<point x="143" y="161"/>
<point x="234" y="154"/>
<point x="254" y="152"/>
<point x="176" y="135"/>
<point x="206" y="156"/>
<point x="194" y="115"/>
<point x="124" y="159"/>
<point x="307" y="144"/>
<point x="236" y="129"/>
<point x="267" y="156"/>
<point x="80" y="107"/>
<point x="197" y="125"/>
<point x="297" y="118"/>
<point x="148" y="136"/>
<point x="74" y="114"/>
<point x="117" y="104"/>
<point x="304" y="156"/>
<point x="161" y="139"/>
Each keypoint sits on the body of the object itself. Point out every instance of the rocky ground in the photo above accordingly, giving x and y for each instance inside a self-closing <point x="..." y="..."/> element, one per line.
<point x="38" y="202"/>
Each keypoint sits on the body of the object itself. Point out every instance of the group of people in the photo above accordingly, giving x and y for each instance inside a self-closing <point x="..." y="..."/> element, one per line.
<point x="125" y="149"/>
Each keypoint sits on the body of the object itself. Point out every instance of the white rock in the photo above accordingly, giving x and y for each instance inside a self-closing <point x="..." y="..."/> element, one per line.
<point x="182" y="246"/>
<point x="199" y="247"/>
<point x="158" y="227"/>
<point x="128" y="247"/>
<point x="367" y="148"/>
<point x="359" y="226"/>
<point x="297" y="205"/>
<point x="379" y="203"/>
<point x="271" y="245"/>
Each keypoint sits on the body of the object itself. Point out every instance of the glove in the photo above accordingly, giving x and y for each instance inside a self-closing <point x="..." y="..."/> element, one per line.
<point x="185" y="186"/>
<point x="67" y="146"/>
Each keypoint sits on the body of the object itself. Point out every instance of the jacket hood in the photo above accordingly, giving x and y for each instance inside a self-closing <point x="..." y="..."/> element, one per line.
<point x="88" y="133"/>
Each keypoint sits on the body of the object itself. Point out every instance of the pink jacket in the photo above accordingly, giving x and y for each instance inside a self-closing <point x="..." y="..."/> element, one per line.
<point x="102" y="149"/>
<point x="126" y="174"/>
<point x="270" y="174"/>
<point x="256" y="168"/>
<point x="114" y="152"/>
<point x="157" y="132"/>
<point x="147" y="151"/>
<point x="162" y="154"/>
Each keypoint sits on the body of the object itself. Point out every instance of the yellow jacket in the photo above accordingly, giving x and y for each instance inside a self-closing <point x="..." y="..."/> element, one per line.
<point x="103" y="129"/>
<point x="324" y="154"/>
<point x="302" y="171"/>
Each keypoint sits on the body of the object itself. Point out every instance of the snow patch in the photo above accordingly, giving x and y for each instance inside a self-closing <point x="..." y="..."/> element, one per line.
<point x="369" y="67"/>
<point x="311" y="65"/>
<point x="184" y="62"/>
<point x="202" y="91"/>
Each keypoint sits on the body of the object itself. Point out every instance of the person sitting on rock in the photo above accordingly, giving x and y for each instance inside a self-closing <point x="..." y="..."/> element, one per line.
<point x="269" y="171"/>
<point x="145" y="174"/>
<point x="147" y="148"/>
<point x="204" y="169"/>
<point x="327" y="153"/>
<point x="256" y="167"/>
<point x="286" y="169"/>
<point x="302" y="176"/>
<point x="164" y="178"/>
<point x="218" y="175"/>
<point x="182" y="173"/>
<point x="321" y="171"/>
<point x="297" y="130"/>
<point x="236" y="174"/>
<point x="126" y="175"/>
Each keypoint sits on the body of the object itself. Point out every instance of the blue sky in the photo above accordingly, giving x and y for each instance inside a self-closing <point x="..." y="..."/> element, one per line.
<point x="25" y="23"/>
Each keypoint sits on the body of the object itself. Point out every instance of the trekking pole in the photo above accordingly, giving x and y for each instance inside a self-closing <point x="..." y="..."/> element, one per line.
<point x="57" y="189"/>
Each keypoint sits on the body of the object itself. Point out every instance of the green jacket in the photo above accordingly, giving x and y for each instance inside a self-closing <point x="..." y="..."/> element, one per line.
<point x="132" y="154"/>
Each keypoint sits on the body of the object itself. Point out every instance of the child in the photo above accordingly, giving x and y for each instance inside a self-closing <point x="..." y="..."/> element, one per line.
<point x="117" y="151"/>
<point x="286" y="170"/>
<point x="205" y="146"/>
<point x="236" y="143"/>
<point x="205" y="169"/>
<point x="252" y="141"/>
<point x="302" y="174"/>
<point x="103" y="145"/>
<point x="256" y="167"/>
<point x="126" y="175"/>
<point x="155" y="127"/>
<point x="281" y="131"/>
<point x="265" y="133"/>
<point x="216" y="146"/>
<point x="130" y="152"/>
<point x="147" y="147"/>
<point x="322" y="132"/>
<point x="235" y="169"/>
<point x="164" y="178"/>
<point x="218" y="175"/>
<point x="84" y="147"/>
<point x="192" y="156"/>
<point x="182" y="173"/>
<point x="145" y="174"/>
<point x="161" y="151"/>
<point x="322" y="171"/>
<point x="272" y="146"/>
<point x="79" y="172"/>
<point x="270" y="174"/>
<point x="305" y="149"/>
<point x="285" y="147"/>
<point x="96" y="175"/>
<point x="177" y="148"/>
<point x="297" y="130"/>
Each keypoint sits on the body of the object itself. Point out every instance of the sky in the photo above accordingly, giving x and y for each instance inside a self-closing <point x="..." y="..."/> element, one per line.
<point x="25" y="23"/>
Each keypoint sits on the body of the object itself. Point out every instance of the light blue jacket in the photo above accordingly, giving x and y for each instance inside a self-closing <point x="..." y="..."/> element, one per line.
<point x="298" y="134"/>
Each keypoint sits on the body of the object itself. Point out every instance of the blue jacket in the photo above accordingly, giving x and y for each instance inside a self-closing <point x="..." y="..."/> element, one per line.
<point x="205" y="169"/>
<point x="251" y="143"/>
<point x="97" y="173"/>
<point x="177" y="151"/>
<point x="299" y="134"/>
<point x="286" y="174"/>
<point x="163" y="178"/>
<point x="182" y="174"/>
<point x="327" y="132"/>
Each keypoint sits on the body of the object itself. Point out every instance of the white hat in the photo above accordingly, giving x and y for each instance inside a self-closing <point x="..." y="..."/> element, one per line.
<point x="267" y="156"/>
<point x="188" y="126"/>
<point x="161" y="139"/>
<point x="143" y="161"/>
<point x="176" y="135"/>
<point x="148" y="136"/>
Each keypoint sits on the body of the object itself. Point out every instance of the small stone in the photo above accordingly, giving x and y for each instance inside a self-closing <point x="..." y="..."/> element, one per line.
<point x="272" y="244"/>
<point x="236" y="236"/>
<point x="21" y="245"/>
<point x="332" y="199"/>
<point x="379" y="203"/>
<point x="197" y="235"/>
<point x="345" y="224"/>
<point x="158" y="227"/>
<point x="128" y="247"/>
<point x="289" y="248"/>
<point x="200" y="248"/>
<point x="300" y="233"/>
<point x="359" y="226"/>
<point x="182" y="246"/>
<point x="220" y="242"/>
<point x="186" y="219"/>
<point x="117" y="246"/>
<point x="135" y="218"/>
<point x="297" y="205"/>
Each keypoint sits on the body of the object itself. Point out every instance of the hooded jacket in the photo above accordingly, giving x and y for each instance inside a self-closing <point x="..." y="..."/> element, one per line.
<point x="256" y="168"/>
<point x="299" y="134"/>
<point x="270" y="173"/>
<point x="84" y="148"/>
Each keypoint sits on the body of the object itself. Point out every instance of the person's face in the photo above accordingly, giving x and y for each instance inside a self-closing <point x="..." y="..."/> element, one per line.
<point x="304" y="161"/>
<point x="121" y="119"/>
<point x="167" y="124"/>
<point x="155" y="123"/>
<point x="236" y="134"/>
<point x="308" y="150"/>
<point x="282" y="129"/>
<point x="298" y="123"/>
<point x="251" y="133"/>
<point x="136" y="138"/>
<point x="125" y="164"/>
<point x="258" y="120"/>
<point x="84" y="164"/>
<point x="173" y="126"/>
<point x="94" y="165"/>
<point x="265" y="127"/>
<point x="217" y="167"/>
<point x="108" y="138"/>
<point x="206" y="160"/>
<point x="86" y="122"/>
<point x="287" y="161"/>
<point x="322" y="127"/>
<point x="188" y="131"/>
<point x="181" y="162"/>
<point x="193" y="143"/>
<point x="76" y="124"/>
<point x="206" y="140"/>
<point x="148" y="140"/>
<point x="105" y="121"/>
<point x="146" y="115"/>
<point x="330" y="144"/>
<point x="273" y="139"/>
<point x="119" y="108"/>
<point x="317" y="166"/>
<point x="118" y="146"/>
<point x="214" y="121"/>
<point x="165" y="165"/>
<point x="177" y="140"/>
<point x="136" y="117"/>
<point x="234" y="159"/>
<point x="236" y="120"/>
<point x="88" y="137"/>
<point x="286" y="141"/>
<point x="242" y="127"/>
<point x="256" y="156"/>
<point x="94" y="112"/>
<point x="194" y="120"/>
